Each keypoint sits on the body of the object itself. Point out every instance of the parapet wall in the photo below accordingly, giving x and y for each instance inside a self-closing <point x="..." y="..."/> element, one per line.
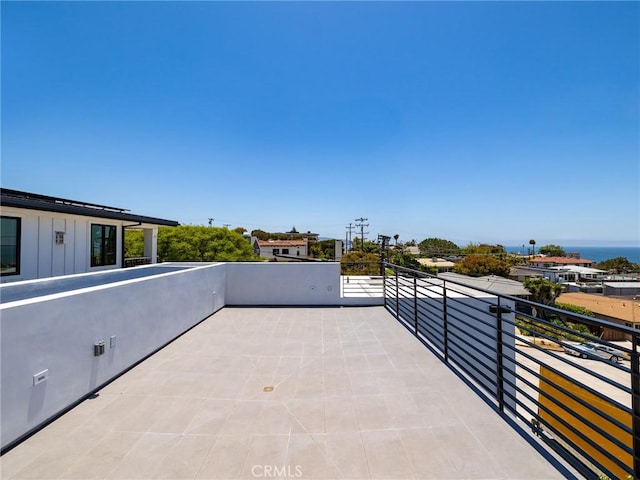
<point x="272" y="283"/>
<point x="47" y="343"/>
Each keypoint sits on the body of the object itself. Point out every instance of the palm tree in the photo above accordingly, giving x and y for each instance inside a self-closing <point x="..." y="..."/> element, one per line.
<point x="396" y="237"/>
<point x="533" y="247"/>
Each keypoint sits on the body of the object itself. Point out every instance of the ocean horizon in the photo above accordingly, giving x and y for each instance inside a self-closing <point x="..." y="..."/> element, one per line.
<point x="597" y="254"/>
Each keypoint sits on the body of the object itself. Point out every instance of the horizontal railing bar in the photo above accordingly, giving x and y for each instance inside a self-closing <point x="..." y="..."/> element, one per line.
<point x="486" y="337"/>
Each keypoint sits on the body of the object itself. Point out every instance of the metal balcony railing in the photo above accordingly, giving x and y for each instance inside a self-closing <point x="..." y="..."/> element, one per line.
<point x="528" y="360"/>
<point x="135" y="261"/>
<point x="361" y="279"/>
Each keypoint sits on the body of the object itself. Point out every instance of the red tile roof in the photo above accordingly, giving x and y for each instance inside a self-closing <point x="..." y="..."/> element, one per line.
<point x="282" y="243"/>
<point x="562" y="261"/>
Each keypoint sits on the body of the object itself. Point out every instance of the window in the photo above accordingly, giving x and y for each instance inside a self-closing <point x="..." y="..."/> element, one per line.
<point x="103" y="245"/>
<point x="10" y="246"/>
<point x="285" y="251"/>
<point x="276" y="251"/>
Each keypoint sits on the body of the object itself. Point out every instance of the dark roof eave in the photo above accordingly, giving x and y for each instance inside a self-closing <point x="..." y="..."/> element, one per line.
<point x="84" y="211"/>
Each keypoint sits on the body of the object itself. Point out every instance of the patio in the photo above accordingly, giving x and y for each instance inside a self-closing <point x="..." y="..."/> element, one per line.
<point x="334" y="393"/>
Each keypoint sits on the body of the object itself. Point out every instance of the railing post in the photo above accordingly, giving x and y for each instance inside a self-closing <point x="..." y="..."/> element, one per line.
<point x="445" y="335"/>
<point x="384" y="284"/>
<point x="499" y="360"/>
<point x="635" y="402"/>
<point x="397" y="297"/>
<point x="415" y="303"/>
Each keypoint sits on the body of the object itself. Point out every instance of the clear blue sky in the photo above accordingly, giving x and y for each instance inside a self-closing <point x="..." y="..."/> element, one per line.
<point x="476" y="122"/>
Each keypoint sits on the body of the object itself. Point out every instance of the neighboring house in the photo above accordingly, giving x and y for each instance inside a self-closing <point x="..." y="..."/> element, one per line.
<point x="491" y="283"/>
<point x="312" y="237"/>
<point x="46" y="236"/>
<point x="548" y="262"/>
<point x="440" y="263"/>
<point x="621" y="289"/>
<point x="271" y="249"/>
<point x="522" y="272"/>
<point x="574" y="273"/>
<point x="617" y="310"/>
<point x="411" y="250"/>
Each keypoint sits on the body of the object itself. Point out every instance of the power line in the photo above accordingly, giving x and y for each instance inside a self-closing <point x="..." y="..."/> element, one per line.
<point x="362" y="232"/>
<point x="348" y="237"/>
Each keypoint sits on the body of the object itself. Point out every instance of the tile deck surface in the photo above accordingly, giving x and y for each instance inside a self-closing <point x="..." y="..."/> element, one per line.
<point x="328" y="393"/>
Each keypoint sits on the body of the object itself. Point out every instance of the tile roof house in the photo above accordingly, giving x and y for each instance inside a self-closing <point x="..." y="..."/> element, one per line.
<point x="45" y="236"/>
<point x="561" y="262"/>
<point x="271" y="249"/>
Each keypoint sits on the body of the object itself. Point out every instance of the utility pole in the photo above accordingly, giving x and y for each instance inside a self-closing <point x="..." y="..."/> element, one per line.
<point x="211" y="221"/>
<point x="384" y="240"/>
<point x="348" y="238"/>
<point x="226" y="225"/>
<point x="362" y="232"/>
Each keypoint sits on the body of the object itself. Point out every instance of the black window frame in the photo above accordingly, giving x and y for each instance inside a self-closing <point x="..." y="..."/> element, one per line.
<point x="18" y="244"/>
<point x="105" y="258"/>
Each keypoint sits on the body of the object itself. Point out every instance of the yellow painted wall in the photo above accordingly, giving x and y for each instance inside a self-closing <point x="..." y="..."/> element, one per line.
<point x="571" y="412"/>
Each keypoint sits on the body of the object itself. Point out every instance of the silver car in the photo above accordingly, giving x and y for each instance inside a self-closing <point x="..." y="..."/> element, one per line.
<point x="595" y="350"/>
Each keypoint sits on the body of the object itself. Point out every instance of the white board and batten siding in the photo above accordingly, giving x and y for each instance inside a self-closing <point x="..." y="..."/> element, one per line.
<point x="42" y="257"/>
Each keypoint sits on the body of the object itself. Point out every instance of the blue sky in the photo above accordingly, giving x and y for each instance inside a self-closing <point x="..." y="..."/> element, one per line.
<point x="471" y="121"/>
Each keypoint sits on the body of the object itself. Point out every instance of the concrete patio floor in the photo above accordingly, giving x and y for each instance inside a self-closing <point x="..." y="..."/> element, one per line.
<point x="333" y="393"/>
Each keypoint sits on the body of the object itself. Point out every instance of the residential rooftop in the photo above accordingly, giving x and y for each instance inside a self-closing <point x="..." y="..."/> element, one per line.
<point x="333" y="393"/>
<point x="36" y="201"/>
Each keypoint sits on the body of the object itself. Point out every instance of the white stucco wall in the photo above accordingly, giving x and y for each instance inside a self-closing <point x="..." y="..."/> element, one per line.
<point x="57" y="333"/>
<point x="283" y="283"/>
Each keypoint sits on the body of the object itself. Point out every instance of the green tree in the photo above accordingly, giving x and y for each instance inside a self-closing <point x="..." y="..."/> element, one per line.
<point x="260" y="234"/>
<point x="133" y="243"/>
<point x="542" y="290"/>
<point x="575" y="309"/>
<point x="483" y="249"/>
<point x="434" y="247"/>
<point x="618" y="265"/>
<point x="360" y="263"/>
<point x="367" y="247"/>
<point x="481" y="265"/>
<point x="197" y="243"/>
<point x="552" y="250"/>
<point x="324" y="249"/>
<point x="398" y="257"/>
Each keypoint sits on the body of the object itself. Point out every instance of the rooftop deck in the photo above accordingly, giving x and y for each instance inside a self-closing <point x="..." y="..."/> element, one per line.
<point x="284" y="393"/>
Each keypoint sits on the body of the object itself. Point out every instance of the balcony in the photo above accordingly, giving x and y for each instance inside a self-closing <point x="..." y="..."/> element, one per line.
<point x="268" y="371"/>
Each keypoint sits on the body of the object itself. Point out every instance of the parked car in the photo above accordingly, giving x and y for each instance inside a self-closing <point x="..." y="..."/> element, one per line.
<point x="595" y="350"/>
